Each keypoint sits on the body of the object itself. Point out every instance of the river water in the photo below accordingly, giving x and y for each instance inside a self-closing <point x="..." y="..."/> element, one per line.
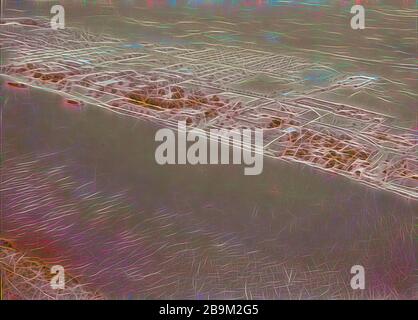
<point x="80" y="187"/>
